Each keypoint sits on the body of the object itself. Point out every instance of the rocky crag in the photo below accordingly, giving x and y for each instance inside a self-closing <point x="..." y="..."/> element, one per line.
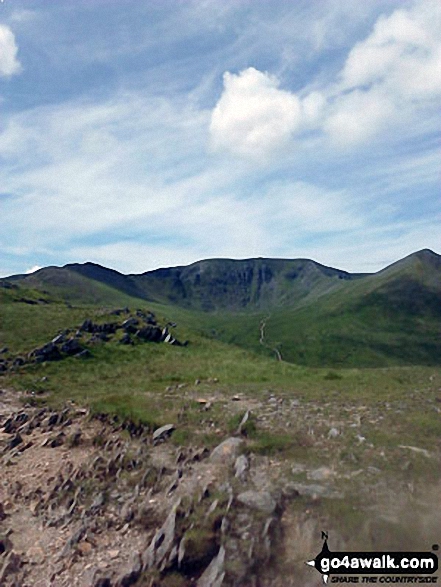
<point x="86" y="501"/>
<point x="128" y="329"/>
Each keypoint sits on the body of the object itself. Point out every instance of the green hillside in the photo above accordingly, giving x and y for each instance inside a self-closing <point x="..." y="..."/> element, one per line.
<point x="72" y="286"/>
<point x="297" y="310"/>
<point x="390" y="318"/>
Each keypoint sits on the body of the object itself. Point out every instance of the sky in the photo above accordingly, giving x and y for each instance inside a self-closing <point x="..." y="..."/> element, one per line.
<point x="155" y="133"/>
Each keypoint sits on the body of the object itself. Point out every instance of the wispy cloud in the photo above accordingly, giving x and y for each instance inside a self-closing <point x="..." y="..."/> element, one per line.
<point x="231" y="129"/>
<point x="387" y="77"/>
<point x="9" y="63"/>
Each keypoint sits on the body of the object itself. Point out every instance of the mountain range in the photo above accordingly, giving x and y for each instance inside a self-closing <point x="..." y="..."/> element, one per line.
<point x="298" y="310"/>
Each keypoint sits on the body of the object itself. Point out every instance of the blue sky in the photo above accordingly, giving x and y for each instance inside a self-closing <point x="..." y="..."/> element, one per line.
<point x="157" y="133"/>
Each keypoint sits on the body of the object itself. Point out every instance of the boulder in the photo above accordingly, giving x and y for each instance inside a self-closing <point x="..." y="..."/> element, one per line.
<point x="72" y="347"/>
<point x="48" y="352"/>
<point x="316" y="491"/>
<point x="163" y="541"/>
<point x="15" y="441"/>
<point x="214" y="574"/>
<point x="320" y="474"/>
<point x="241" y="467"/>
<point x="130" y="325"/>
<point x="100" y="337"/>
<point x="227" y="451"/>
<point x="131" y="574"/>
<point x="107" y="328"/>
<point x="150" y="334"/>
<point x="87" y="326"/>
<point x="160" y="434"/>
<point x="258" y="500"/>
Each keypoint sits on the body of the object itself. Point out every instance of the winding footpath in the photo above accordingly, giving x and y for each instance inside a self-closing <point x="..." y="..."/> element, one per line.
<point x="262" y="338"/>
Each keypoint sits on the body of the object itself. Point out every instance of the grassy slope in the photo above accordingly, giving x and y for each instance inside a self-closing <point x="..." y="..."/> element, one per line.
<point x="130" y="381"/>
<point x="29" y="318"/>
<point x="390" y="318"/>
<point x="72" y="287"/>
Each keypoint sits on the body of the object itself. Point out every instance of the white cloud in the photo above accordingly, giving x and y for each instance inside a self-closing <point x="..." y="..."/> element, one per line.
<point x="389" y="79"/>
<point x="402" y="54"/>
<point x="313" y="108"/>
<point x="357" y="117"/>
<point x="32" y="269"/>
<point x="9" y="64"/>
<point x="253" y="116"/>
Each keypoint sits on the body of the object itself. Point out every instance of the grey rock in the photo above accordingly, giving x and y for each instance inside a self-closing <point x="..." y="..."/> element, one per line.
<point x="10" y="566"/>
<point x="85" y="354"/>
<point x="131" y="575"/>
<point x="149" y="334"/>
<point x="98" y="502"/>
<point x="317" y="491"/>
<point x="241" y="427"/>
<point x="15" y="441"/>
<point x="48" y="352"/>
<point x="57" y="440"/>
<point x="73" y="541"/>
<point x="241" y="467"/>
<point x="214" y="574"/>
<point x="71" y="347"/>
<point x="162" y="543"/>
<point x="99" y="337"/>
<point x="162" y="433"/>
<point x="258" y="500"/>
<point x="333" y="433"/>
<point x="290" y="491"/>
<point x="227" y="451"/>
<point x="130" y="326"/>
<point x="87" y="326"/>
<point x="320" y="474"/>
<point x="107" y="328"/>
<point x="298" y="468"/>
<point x="5" y="545"/>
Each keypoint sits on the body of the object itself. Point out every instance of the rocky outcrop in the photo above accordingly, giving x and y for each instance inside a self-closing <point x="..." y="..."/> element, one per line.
<point x="141" y="327"/>
<point x="173" y="524"/>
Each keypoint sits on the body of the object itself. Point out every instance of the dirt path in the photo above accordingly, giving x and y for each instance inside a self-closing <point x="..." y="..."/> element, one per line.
<point x="262" y="338"/>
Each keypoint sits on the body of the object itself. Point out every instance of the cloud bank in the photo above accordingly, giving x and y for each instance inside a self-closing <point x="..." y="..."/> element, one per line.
<point x="395" y="70"/>
<point x="9" y="64"/>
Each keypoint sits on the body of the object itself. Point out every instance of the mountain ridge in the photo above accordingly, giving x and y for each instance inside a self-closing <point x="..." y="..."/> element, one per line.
<point x="229" y="284"/>
<point x="314" y="314"/>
